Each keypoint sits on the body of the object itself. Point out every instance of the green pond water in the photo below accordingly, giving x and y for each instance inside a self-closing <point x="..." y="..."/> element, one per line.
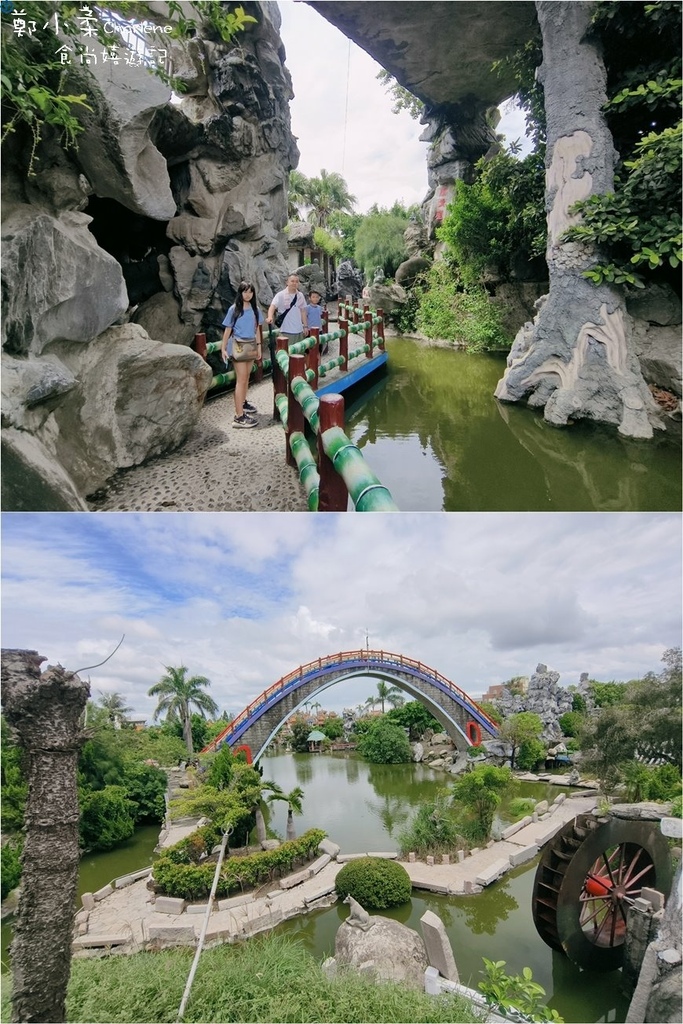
<point x="434" y="434"/>
<point x="363" y="807"/>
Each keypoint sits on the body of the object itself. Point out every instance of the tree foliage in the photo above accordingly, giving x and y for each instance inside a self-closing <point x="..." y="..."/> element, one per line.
<point x="177" y="695"/>
<point x="464" y="315"/>
<point x="403" y="99"/>
<point x="35" y="83"/>
<point x="480" y="791"/>
<point x="518" y="729"/>
<point x="415" y="717"/>
<point x="379" y="241"/>
<point x="644" y="724"/>
<point x="499" y="220"/>
<point x="385" y="743"/>
<point x="106" y="818"/>
<point x="636" y="228"/>
<point x="319" y="199"/>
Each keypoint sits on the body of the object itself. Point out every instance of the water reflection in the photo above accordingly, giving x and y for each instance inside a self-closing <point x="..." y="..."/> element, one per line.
<point x="435" y="435"/>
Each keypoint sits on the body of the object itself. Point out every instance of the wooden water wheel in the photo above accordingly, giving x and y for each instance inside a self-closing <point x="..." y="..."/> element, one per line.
<point x="588" y="876"/>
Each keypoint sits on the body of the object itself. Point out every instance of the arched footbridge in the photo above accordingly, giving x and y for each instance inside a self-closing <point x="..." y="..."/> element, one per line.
<point x="461" y="717"/>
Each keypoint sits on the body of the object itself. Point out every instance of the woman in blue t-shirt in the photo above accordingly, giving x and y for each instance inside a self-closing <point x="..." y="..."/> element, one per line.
<point x="242" y="341"/>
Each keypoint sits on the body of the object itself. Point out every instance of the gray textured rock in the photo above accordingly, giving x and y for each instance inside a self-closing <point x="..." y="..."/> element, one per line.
<point x="57" y="283"/>
<point x="389" y="950"/>
<point x="116" y="150"/>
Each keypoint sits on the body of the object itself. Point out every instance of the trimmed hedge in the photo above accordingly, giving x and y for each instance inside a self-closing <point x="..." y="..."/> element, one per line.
<point x="193" y="881"/>
<point x="376" y="883"/>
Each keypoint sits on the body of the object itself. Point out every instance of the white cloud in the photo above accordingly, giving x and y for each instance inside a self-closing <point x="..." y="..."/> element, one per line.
<point x="479" y="597"/>
<point x="342" y="116"/>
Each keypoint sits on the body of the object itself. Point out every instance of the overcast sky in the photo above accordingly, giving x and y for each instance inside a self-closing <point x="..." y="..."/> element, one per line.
<point x="479" y="597"/>
<point x="353" y="130"/>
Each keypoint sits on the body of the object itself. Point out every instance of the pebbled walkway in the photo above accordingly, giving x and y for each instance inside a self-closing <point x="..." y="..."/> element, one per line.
<point x="218" y="468"/>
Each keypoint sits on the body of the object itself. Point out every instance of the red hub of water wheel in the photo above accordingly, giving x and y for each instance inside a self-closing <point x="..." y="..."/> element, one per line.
<point x="588" y="876"/>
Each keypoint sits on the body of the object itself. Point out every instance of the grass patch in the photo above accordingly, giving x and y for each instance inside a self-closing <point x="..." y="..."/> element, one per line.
<point x="268" y="978"/>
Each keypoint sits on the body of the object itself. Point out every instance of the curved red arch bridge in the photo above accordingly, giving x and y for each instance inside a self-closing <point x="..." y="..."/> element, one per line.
<point x="256" y="726"/>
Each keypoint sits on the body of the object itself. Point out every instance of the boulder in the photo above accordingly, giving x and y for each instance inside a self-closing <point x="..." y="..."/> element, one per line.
<point x="387" y="297"/>
<point x="389" y="950"/>
<point x="136" y="398"/>
<point x="160" y="318"/>
<point x="407" y="271"/>
<point x="57" y="282"/>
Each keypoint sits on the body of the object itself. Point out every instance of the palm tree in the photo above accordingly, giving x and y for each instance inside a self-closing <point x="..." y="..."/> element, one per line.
<point x="328" y="194"/>
<point x="297" y="197"/>
<point x="293" y="801"/>
<point x="114" y="705"/>
<point x="176" y="696"/>
<point x="390" y="694"/>
<point x="264" y="786"/>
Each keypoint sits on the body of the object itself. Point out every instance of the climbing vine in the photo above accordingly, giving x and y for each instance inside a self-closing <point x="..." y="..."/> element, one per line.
<point x="637" y="226"/>
<point x="47" y="47"/>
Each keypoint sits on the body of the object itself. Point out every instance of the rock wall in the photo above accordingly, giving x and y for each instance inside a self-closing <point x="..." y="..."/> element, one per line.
<point x="155" y="218"/>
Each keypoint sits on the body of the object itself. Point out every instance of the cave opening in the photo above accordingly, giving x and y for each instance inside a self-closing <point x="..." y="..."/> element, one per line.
<point x="135" y="241"/>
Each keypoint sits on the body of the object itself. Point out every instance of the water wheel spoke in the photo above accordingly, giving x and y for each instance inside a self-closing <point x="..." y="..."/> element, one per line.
<point x="631" y="866"/>
<point x="609" y="869"/>
<point x="613" y="929"/>
<point x="622" y="911"/>
<point x="604" y="922"/>
<point x="588" y="920"/>
<point x="633" y="880"/>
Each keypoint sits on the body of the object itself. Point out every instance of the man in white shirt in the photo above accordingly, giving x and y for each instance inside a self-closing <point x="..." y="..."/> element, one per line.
<point x="292" y="303"/>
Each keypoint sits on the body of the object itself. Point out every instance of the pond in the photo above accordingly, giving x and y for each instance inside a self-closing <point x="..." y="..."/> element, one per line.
<point x="363" y="807"/>
<point x="437" y="438"/>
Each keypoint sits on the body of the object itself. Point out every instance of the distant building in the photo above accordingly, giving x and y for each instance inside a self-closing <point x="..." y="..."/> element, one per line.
<point x="494" y="692"/>
<point x="138" y="722"/>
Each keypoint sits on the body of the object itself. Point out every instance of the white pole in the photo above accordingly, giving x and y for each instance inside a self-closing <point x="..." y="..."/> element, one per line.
<point x="205" y="925"/>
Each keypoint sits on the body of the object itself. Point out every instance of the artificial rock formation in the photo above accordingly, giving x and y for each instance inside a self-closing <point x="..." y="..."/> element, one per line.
<point x="578" y="359"/>
<point x="584" y="356"/>
<point x="156" y="217"/>
<point x="544" y="697"/>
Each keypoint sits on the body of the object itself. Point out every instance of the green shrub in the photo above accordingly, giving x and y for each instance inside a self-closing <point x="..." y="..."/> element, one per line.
<point x="571" y="722"/>
<point x="531" y="753"/>
<point x="177" y="877"/>
<point x="11" y="867"/>
<point x="385" y="743"/>
<point x="677" y="808"/>
<point x="521" y="806"/>
<point x="461" y="314"/>
<point x="434" y="829"/>
<point x="106" y="818"/>
<point x="376" y="883"/>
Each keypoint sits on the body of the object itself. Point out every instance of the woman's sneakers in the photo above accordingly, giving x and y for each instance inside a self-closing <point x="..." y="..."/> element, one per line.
<point x="248" y="407"/>
<point x="244" y="421"/>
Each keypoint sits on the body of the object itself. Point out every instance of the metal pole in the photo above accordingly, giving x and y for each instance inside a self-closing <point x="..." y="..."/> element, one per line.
<point x="200" y="944"/>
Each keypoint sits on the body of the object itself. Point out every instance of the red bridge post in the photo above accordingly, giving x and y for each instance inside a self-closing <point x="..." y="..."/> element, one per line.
<point x="313" y="356"/>
<point x="279" y="382"/>
<point x="199" y="345"/>
<point x="332" y="493"/>
<point x="295" y="413"/>
<point x="380" y="328"/>
<point x="344" y="343"/>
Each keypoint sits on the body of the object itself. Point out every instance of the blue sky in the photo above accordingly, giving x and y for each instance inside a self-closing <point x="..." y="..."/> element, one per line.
<point x="245" y="598"/>
<point x="342" y="115"/>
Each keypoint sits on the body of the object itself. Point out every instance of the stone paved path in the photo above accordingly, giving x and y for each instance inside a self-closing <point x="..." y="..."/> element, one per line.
<point x="129" y="912"/>
<point x="218" y="468"/>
